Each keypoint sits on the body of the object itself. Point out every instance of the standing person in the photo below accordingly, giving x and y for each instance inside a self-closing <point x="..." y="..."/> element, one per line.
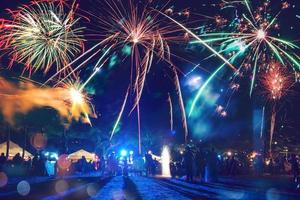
<point x="271" y="166"/>
<point x="102" y="166"/>
<point x="111" y="162"/>
<point x="125" y="167"/>
<point x="17" y="159"/>
<point x="212" y="162"/>
<point x="188" y="164"/>
<point x="197" y="161"/>
<point x="295" y="167"/>
<point x="82" y="164"/>
<point x="233" y="166"/>
<point x="154" y="166"/>
<point x="34" y="165"/>
<point x="200" y="164"/>
<point x="149" y="163"/>
<point x="2" y="161"/>
<point x="41" y="165"/>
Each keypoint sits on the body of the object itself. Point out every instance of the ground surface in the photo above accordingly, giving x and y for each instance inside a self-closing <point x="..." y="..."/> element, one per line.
<point x="134" y="187"/>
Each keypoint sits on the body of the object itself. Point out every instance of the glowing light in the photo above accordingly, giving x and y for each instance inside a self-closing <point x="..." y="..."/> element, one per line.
<point x="166" y="158"/>
<point x="219" y="108"/>
<point x="194" y="82"/>
<point x="54" y="155"/>
<point x="76" y="96"/>
<point x="135" y="40"/>
<point x="64" y="162"/>
<point x="253" y="155"/>
<point x="223" y="113"/>
<point x="261" y="34"/>
<point x="123" y="152"/>
<point x="24" y="97"/>
<point x="229" y="153"/>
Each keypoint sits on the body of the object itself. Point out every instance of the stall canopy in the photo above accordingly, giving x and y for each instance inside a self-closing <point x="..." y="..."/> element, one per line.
<point x="78" y="154"/>
<point x="13" y="150"/>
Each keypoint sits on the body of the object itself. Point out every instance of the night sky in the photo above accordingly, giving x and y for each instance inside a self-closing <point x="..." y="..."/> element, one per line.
<point x="108" y="88"/>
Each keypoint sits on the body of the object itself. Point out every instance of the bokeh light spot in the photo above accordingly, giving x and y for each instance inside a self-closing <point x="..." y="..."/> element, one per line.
<point x="39" y="141"/>
<point x="92" y="190"/>
<point x="61" y="186"/>
<point x="23" y="188"/>
<point x="3" y="179"/>
<point x="63" y="161"/>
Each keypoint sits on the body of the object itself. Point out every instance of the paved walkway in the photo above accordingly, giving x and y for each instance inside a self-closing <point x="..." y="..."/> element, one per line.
<point x="136" y="187"/>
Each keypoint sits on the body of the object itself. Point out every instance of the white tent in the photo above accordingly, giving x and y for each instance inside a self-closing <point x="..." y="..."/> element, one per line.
<point x="78" y="154"/>
<point x="13" y="150"/>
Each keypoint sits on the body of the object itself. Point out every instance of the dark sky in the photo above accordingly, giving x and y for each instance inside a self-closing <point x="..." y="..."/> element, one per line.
<point x="110" y="86"/>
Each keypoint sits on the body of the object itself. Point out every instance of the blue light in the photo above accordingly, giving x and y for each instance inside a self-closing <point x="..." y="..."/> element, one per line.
<point x="54" y="155"/>
<point x="219" y="156"/>
<point x="131" y="152"/>
<point x="123" y="153"/>
<point x="194" y="82"/>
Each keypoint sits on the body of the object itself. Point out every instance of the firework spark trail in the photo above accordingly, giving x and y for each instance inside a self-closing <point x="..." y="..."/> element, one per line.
<point x="139" y="129"/>
<point x="203" y="87"/>
<point x="254" y="73"/>
<point x="42" y="35"/>
<point x="146" y="35"/>
<point x="76" y="60"/>
<point x="67" y="100"/>
<point x="181" y="104"/>
<point x="120" y="115"/>
<point x="171" y="111"/>
<point x="86" y="61"/>
<point x="246" y="2"/>
<point x="262" y="122"/>
<point x="200" y="40"/>
<point x="96" y="70"/>
<point x="258" y="30"/>
<point x="272" y="127"/>
<point x="276" y="82"/>
<point x="212" y="76"/>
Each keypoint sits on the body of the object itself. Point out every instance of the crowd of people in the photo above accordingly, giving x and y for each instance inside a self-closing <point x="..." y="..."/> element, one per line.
<point x="192" y="164"/>
<point x="41" y="165"/>
<point x="207" y="165"/>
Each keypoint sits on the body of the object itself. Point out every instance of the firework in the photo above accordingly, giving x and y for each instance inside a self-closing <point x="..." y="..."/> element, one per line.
<point x="120" y="115"/>
<point x="42" y="35"/>
<point x="276" y="81"/>
<point x="220" y="110"/>
<point x="181" y="104"/>
<point x="139" y="28"/>
<point x="70" y="103"/>
<point x="251" y="44"/>
<point x="77" y="101"/>
<point x="147" y="37"/>
<point x="136" y="28"/>
<point x="171" y="111"/>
